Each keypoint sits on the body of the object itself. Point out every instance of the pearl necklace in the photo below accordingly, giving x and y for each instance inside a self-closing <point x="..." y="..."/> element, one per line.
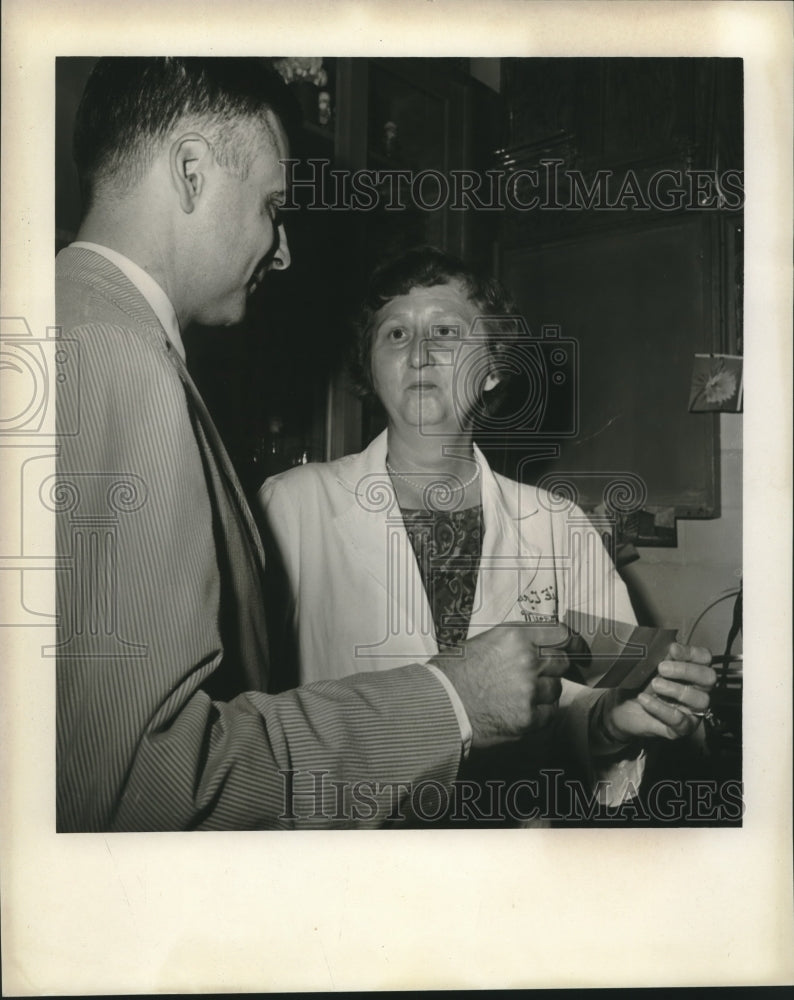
<point x="434" y="485"/>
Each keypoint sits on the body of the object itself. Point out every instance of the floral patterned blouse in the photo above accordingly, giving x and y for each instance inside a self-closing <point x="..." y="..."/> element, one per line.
<point x="448" y="546"/>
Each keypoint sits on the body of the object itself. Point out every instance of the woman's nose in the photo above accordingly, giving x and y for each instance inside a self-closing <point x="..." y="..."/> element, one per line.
<point x="420" y="354"/>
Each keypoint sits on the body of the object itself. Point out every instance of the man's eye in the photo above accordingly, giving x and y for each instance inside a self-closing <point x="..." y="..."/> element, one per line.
<point x="273" y="208"/>
<point x="397" y="334"/>
<point x="442" y="332"/>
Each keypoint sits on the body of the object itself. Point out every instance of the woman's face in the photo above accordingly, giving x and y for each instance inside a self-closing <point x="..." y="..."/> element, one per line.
<point x="424" y="358"/>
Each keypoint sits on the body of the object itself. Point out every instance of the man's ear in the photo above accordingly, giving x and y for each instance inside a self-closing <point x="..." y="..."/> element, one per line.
<point x="189" y="160"/>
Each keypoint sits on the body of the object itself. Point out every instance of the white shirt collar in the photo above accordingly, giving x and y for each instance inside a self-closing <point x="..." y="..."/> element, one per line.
<point x="149" y="289"/>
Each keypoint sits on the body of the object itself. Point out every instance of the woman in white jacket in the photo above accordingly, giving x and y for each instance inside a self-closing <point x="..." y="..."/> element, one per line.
<point x="405" y="550"/>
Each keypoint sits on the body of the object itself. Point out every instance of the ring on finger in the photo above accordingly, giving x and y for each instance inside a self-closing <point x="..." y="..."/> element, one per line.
<point x="707" y="715"/>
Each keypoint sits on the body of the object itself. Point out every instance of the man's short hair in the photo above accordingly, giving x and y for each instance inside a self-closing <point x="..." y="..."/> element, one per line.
<point x="130" y="105"/>
<point x="424" y="267"/>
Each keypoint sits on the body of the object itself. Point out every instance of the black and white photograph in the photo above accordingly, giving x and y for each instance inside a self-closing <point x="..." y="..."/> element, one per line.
<point x="499" y="449"/>
<point x="378" y="475"/>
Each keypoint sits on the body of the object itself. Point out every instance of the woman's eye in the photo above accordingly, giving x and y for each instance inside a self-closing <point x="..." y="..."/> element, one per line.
<point x="397" y="334"/>
<point x="442" y="332"/>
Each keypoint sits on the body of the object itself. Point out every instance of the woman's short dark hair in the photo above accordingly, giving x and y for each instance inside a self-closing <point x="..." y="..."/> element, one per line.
<point x="130" y="105"/>
<point x="424" y="267"/>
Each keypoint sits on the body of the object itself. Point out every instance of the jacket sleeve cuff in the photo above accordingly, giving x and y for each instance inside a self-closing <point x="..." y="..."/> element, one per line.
<point x="460" y="711"/>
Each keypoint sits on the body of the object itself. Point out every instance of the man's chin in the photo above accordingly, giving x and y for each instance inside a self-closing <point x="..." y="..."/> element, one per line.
<point x="231" y="314"/>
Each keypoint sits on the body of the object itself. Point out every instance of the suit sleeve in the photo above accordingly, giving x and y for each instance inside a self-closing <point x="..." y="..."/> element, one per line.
<point x="141" y="745"/>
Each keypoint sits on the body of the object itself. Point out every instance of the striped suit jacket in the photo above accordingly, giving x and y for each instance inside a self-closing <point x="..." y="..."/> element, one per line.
<point x="162" y="719"/>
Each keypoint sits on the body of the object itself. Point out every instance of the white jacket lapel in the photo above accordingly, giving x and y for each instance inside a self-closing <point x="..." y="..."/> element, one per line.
<point x="373" y="527"/>
<point x="509" y="563"/>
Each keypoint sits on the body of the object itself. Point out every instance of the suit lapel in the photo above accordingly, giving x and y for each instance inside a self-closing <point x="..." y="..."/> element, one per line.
<point x="234" y="489"/>
<point x="117" y="288"/>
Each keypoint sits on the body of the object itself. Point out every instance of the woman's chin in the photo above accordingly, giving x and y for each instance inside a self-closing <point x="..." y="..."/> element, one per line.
<point x="419" y="412"/>
<point x="428" y="419"/>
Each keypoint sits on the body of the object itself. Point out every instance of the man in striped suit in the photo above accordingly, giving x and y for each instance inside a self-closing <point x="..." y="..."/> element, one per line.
<point x="162" y="719"/>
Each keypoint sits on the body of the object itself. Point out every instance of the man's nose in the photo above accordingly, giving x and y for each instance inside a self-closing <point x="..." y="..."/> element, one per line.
<point x="281" y="258"/>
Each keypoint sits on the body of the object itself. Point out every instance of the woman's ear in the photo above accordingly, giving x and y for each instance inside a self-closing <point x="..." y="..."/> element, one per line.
<point x="491" y="381"/>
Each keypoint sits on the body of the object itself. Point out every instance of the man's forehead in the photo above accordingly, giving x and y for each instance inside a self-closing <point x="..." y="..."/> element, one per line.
<point x="272" y="148"/>
<point x="274" y="135"/>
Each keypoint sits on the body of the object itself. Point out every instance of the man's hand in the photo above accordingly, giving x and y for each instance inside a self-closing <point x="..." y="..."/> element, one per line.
<point x="672" y="705"/>
<point x="508" y="679"/>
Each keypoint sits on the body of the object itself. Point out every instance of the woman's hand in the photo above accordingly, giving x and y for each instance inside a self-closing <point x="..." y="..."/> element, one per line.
<point x="671" y="706"/>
